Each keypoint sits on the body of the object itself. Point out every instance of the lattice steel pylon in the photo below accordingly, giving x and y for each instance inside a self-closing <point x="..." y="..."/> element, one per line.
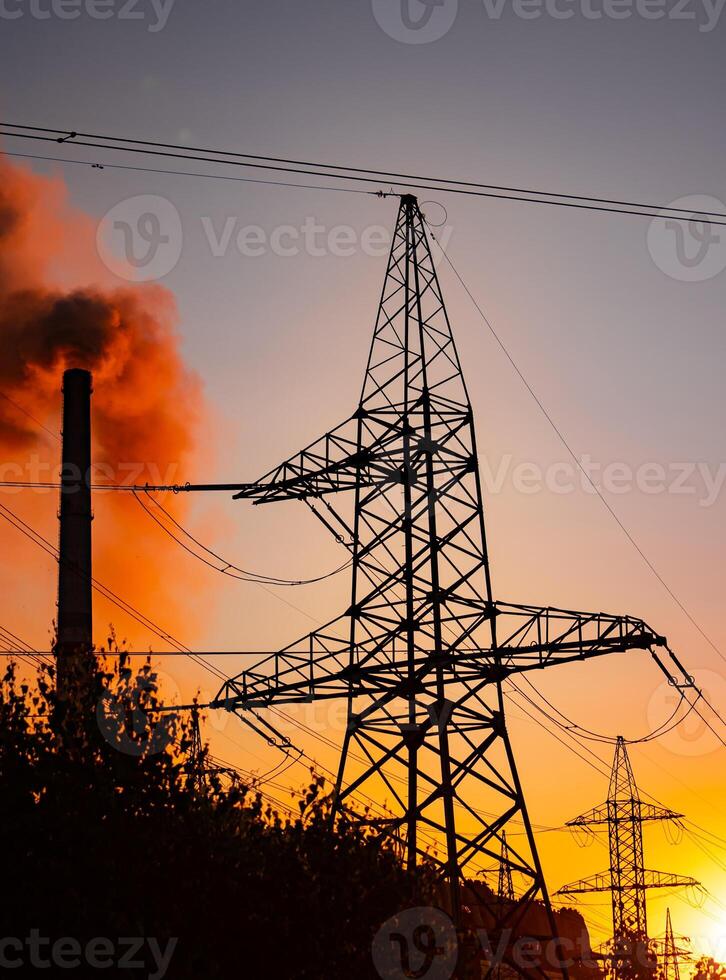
<point x="423" y="649"/>
<point x="672" y="954"/>
<point x="505" y="886"/>
<point x="624" y="814"/>
<point x="196" y="769"/>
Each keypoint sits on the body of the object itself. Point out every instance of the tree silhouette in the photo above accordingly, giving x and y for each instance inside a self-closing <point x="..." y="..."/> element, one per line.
<point x="106" y="834"/>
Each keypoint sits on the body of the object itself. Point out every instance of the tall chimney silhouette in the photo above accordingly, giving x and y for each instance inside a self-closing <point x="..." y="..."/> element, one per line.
<point x="75" y="619"/>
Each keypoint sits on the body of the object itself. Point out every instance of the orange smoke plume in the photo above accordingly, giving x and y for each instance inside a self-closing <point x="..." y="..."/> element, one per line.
<point x="59" y="308"/>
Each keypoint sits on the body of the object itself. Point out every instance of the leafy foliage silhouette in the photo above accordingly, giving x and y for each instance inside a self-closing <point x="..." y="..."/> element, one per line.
<point x="102" y="842"/>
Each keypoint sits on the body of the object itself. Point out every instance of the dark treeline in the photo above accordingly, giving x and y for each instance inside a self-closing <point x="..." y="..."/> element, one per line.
<point x="105" y="835"/>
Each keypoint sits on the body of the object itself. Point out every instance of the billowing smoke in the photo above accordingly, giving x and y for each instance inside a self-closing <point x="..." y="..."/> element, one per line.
<point x="60" y="308"/>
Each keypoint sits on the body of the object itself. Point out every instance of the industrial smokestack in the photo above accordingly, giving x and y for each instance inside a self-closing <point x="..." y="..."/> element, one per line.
<point x="75" y="620"/>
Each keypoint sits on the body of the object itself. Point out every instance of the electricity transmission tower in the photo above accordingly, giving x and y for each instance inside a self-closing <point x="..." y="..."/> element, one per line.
<point x="196" y="763"/>
<point x="671" y="954"/>
<point x="423" y="650"/>
<point x="624" y="814"/>
<point x="505" y="887"/>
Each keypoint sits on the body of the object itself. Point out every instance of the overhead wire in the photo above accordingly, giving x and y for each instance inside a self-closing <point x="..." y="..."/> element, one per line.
<point x="663" y="729"/>
<point x="368" y="176"/>
<point x="605" y="772"/>
<point x="228" y="568"/>
<point x="570" y="451"/>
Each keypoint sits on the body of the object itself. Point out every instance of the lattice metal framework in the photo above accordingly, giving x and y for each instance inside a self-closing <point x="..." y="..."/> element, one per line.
<point x="673" y="955"/>
<point x="196" y="767"/>
<point x="624" y="814"/>
<point x="422" y="651"/>
<point x="505" y="885"/>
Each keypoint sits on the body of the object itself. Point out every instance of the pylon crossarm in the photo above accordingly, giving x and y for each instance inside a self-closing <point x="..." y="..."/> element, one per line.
<point x="602" y="882"/>
<point x="664" y="879"/>
<point x="322" y="664"/>
<point x="326" y="465"/>
<point x="649" y="811"/>
<point x="595" y="883"/>
<point x="359" y="452"/>
<point x="599" y="814"/>
<point x="537" y="635"/>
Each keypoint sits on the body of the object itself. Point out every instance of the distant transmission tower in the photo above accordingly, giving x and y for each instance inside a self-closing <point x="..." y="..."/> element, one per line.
<point x="423" y="650"/>
<point x="505" y="888"/>
<point x="671" y="967"/>
<point x="672" y="952"/>
<point x="628" y="881"/>
<point x="196" y="762"/>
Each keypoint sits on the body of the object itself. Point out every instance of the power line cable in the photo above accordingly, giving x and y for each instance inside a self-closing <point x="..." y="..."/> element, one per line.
<point x="228" y="568"/>
<point x="187" y="173"/>
<point x="144" y="147"/>
<point x="571" y="452"/>
<point x="663" y="729"/>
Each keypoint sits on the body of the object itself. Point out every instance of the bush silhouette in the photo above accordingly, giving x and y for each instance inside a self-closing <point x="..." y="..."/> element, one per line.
<point x="99" y="842"/>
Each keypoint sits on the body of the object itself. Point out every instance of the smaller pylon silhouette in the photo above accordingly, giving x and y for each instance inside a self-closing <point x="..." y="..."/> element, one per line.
<point x="671" y="968"/>
<point x="505" y="888"/>
<point x="628" y="880"/>
<point x="196" y="765"/>
<point x="671" y="952"/>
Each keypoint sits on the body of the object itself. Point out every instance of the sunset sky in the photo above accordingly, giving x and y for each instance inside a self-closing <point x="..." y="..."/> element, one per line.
<point x="627" y="359"/>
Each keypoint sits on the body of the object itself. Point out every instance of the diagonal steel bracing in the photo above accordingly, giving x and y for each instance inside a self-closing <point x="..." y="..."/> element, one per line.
<point x="422" y="652"/>
<point x="628" y="880"/>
